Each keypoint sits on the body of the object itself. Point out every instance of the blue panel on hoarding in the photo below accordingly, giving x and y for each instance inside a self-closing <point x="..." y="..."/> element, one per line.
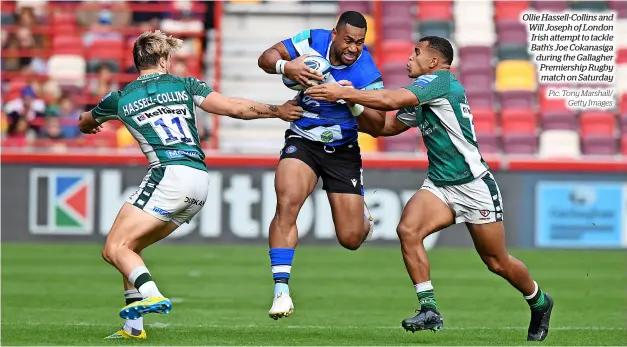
<point x="579" y="214"/>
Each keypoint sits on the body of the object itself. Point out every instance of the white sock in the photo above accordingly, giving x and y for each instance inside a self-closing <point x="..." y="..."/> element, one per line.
<point x="535" y="291"/>
<point x="136" y="324"/>
<point x="147" y="286"/>
<point x="423" y="287"/>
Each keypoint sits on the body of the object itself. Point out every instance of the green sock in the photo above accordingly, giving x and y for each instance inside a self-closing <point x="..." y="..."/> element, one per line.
<point x="427" y="300"/>
<point x="537" y="302"/>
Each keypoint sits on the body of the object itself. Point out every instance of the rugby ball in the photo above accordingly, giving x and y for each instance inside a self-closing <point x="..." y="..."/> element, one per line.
<point x="315" y="62"/>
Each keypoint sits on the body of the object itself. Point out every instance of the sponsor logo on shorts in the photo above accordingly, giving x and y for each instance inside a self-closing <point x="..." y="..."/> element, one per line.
<point x="161" y="211"/>
<point x="193" y="201"/>
<point x="177" y="153"/>
<point x="290" y="149"/>
<point x="484" y="213"/>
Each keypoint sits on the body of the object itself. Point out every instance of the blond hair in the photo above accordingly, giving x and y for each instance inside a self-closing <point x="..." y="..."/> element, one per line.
<point x="152" y="45"/>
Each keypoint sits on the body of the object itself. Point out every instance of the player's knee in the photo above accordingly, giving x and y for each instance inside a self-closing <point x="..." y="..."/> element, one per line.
<point x="406" y="232"/>
<point x="108" y="254"/>
<point x="496" y="265"/>
<point x="287" y="208"/>
<point x="351" y="242"/>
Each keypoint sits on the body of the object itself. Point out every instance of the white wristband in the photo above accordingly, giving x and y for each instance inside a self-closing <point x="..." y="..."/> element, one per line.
<point x="280" y="66"/>
<point x="357" y="110"/>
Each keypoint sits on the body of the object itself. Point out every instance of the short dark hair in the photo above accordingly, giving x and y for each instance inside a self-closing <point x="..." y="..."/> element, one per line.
<point x="442" y="45"/>
<point x="352" y="18"/>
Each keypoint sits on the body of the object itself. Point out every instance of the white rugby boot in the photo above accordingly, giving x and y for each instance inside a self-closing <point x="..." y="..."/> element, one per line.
<point x="368" y="216"/>
<point x="282" y="306"/>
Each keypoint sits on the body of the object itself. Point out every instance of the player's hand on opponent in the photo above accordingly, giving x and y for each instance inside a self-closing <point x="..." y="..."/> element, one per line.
<point x="330" y="92"/>
<point x="290" y="111"/>
<point x="297" y="71"/>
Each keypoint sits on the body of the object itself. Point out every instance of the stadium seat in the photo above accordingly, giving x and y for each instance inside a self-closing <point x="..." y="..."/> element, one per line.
<point x="518" y="121"/>
<point x="515" y="75"/>
<point x="396" y="51"/>
<point x="621" y="77"/>
<point x="488" y="143"/>
<point x="512" y="52"/>
<point x="623" y="122"/>
<point x="404" y="142"/>
<point x="520" y="144"/>
<point x="550" y="104"/>
<point x="480" y="78"/>
<point x="395" y="75"/>
<point x="67" y="44"/>
<point x="67" y="69"/>
<point x="397" y="9"/>
<point x="624" y="144"/>
<point x="511" y="33"/>
<point x="623" y="103"/>
<point x="599" y="145"/>
<point x="436" y="28"/>
<point x="517" y="99"/>
<point x="435" y="10"/>
<point x="556" y="120"/>
<point x="473" y="57"/>
<point x="620" y="27"/>
<point x="597" y="123"/>
<point x="509" y="10"/>
<point x="620" y="7"/>
<point x="480" y="99"/>
<point x="581" y="5"/>
<point x="359" y="6"/>
<point x="559" y="144"/>
<point x="484" y="120"/>
<point x="553" y="6"/>
<point x="397" y="29"/>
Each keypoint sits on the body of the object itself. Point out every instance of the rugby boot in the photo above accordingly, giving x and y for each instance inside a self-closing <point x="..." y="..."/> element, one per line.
<point x="539" y="324"/>
<point x="122" y="334"/>
<point x="282" y="306"/>
<point x="151" y="304"/>
<point x="426" y="319"/>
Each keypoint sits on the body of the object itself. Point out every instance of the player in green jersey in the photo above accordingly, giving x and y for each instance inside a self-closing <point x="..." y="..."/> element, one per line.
<point x="459" y="187"/>
<point x="159" y="111"/>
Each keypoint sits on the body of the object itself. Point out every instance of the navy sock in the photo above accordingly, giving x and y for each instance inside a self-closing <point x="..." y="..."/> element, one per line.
<point x="281" y="261"/>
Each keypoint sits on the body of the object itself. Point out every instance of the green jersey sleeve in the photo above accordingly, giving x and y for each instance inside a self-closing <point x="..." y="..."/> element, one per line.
<point x="107" y="108"/>
<point x="197" y="89"/>
<point x="407" y="116"/>
<point x="431" y="87"/>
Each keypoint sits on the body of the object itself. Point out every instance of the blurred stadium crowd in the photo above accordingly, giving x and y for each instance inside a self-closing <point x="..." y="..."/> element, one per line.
<point x="60" y="57"/>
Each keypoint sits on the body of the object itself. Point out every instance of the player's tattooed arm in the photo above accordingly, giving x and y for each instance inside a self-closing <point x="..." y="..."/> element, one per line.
<point x="248" y="109"/>
<point x="384" y="100"/>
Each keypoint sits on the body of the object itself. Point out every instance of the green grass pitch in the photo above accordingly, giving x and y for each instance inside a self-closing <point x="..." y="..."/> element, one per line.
<point x="67" y="295"/>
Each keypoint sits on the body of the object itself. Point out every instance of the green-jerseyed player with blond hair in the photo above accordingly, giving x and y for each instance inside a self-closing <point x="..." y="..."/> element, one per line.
<point x="459" y="187"/>
<point x="159" y="111"/>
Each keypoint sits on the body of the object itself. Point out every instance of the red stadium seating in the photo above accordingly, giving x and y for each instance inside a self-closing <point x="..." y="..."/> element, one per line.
<point x="509" y="10"/>
<point x="518" y="121"/>
<point x="435" y="10"/>
<point x="597" y="123"/>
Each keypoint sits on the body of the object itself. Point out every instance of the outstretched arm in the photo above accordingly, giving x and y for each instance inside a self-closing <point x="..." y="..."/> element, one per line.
<point x="384" y="100"/>
<point x="248" y="109"/>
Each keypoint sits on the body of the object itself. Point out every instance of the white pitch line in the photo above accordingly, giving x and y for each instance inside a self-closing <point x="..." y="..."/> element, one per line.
<point x="161" y="325"/>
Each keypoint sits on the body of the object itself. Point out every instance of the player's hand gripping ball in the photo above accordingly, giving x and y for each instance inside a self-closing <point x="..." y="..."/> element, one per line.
<point x="305" y="73"/>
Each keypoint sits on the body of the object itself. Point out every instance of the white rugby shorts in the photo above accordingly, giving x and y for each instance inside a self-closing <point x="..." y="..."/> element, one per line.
<point x="172" y="193"/>
<point x="476" y="202"/>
